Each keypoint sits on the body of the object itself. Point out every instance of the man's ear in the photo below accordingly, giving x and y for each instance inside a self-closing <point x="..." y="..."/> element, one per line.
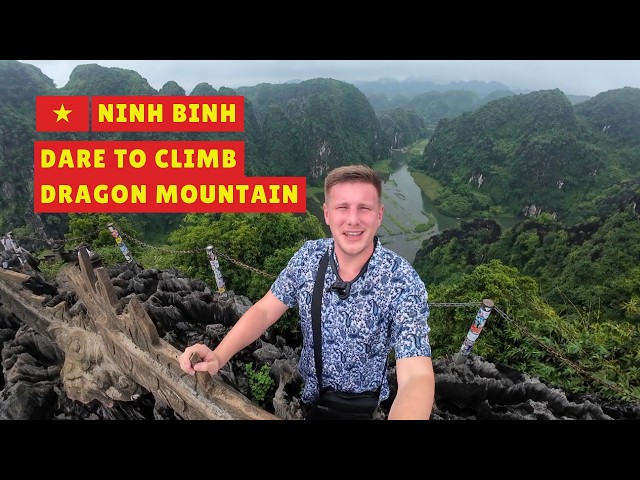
<point x="380" y="213"/>
<point x="325" y="211"/>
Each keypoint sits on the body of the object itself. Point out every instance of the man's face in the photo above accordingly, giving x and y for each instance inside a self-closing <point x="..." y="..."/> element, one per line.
<point x="353" y="211"/>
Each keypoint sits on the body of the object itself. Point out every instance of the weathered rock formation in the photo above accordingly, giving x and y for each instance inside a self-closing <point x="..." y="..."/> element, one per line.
<point x="72" y="368"/>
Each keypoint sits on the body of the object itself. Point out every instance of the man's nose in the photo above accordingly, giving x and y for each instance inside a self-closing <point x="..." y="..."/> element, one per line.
<point x="353" y="215"/>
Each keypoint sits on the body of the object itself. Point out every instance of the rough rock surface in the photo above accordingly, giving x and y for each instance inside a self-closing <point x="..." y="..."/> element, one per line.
<point x="184" y="312"/>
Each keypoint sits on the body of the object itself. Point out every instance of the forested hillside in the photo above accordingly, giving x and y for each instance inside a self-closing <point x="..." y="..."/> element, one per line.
<point x="536" y="153"/>
<point x="19" y="86"/>
<point x="573" y="171"/>
<point x="302" y="129"/>
<point x="567" y="275"/>
<point x="431" y="103"/>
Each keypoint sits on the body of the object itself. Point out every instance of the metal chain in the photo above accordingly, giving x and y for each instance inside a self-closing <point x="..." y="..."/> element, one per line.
<point x="160" y="249"/>
<point x="560" y="357"/>
<point x="49" y="243"/>
<point x="524" y="330"/>
<point x="468" y="304"/>
<point x="244" y="265"/>
<point x="191" y="252"/>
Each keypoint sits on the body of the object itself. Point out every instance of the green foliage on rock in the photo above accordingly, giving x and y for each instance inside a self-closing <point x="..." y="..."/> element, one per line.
<point x="260" y="382"/>
<point x="251" y="248"/>
<point x="92" y="229"/>
<point x="538" y="151"/>
<point x="580" y="354"/>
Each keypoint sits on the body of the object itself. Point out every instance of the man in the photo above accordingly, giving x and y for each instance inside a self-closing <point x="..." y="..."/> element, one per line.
<point x="373" y="302"/>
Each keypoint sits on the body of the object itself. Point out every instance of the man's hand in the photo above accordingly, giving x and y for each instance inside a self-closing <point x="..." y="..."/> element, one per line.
<point x="199" y="358"/>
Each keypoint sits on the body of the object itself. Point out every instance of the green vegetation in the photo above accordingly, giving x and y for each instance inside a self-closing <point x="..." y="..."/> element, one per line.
<point x="580" y="354"/>
<point x="535" y="150"/>
<point x="430" y="186"/>
<point x="50" y="268"/>
<point x="566" y="280"/>
<point x="418" y="147"/>
<point x="383" y="166"/>
<point x="260" y="382"/>
<point x="313" y="192"/>
<point x="395" y="221"/>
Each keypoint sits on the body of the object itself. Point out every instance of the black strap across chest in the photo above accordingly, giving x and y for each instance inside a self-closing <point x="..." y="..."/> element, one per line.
<point x="316" y="310"/>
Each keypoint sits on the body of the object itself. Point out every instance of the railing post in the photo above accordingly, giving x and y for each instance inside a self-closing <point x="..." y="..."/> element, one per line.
<point x="11" y="246"/>
<point x="215" y="266"/>
<point x="475" y="329"/>
<point x="123" y="247"/>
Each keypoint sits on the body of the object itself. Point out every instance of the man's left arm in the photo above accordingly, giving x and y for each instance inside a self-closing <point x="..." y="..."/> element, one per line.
<point x="416" y="389"/>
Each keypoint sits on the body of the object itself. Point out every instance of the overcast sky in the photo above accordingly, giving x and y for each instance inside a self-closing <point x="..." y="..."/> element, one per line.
<point x="574" y="77"/>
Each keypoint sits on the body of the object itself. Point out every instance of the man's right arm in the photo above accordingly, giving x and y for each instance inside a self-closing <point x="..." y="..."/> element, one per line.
<point x="255" y="321"/>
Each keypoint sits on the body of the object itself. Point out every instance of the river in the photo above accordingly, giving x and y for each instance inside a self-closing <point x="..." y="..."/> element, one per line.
<point x="406" y="207"/>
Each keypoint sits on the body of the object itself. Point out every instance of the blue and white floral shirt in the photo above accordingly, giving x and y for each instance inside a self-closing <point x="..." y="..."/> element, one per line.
<point x="386" y="309"/>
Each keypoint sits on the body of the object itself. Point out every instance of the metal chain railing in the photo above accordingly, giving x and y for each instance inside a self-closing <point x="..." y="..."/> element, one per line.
<point x="453" y="304"/>
<point x="73" y="241"/>
<point x="198" y="251"/>
<point x="525" y="331"/>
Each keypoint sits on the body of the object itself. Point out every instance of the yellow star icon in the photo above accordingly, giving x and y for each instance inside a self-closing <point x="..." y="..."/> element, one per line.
<point x="62" y="113"/>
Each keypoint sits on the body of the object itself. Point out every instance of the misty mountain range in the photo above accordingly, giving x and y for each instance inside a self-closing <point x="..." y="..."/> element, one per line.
<point x="568" y="170"/>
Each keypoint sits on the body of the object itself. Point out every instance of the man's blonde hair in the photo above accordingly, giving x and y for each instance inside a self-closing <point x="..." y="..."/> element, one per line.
<point x="352" y="173"/>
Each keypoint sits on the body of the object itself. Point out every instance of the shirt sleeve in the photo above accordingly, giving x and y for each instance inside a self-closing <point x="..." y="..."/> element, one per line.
<point x="289" y="282"/>
<point x="410" y="328"/>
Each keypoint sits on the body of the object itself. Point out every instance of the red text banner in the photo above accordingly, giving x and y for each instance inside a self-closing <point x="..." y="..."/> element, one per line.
<point x="156" y="177"/>
<point x="167" y="114"/>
